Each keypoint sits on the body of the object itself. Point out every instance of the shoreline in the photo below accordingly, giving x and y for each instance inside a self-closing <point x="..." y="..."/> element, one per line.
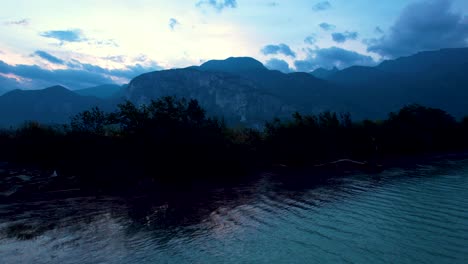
<point x="24" y="183"/>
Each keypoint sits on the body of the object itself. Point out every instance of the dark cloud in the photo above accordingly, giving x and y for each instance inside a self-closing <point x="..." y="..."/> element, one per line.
<point x="279" y="65"/>
<point x="173" y="23"/>
<point x="332" y="57"/>
<point x="278" y="49"/>
<point x="41" y="77"/>
<point x="378" y="30"/>
<point x="219" y="5"/>
<point x="324" y="5"/>
<point x="326" y="26"/>
<point x="22" y="22"/>
<point x="426" y="25"/>
<point x="48" y="57"/>
<point x="343" y="37"/>
<point x="4" y="68"/>
<point x="311" y="39"/>
<point x="74" y="35"/>
<point x="79" y="75"/>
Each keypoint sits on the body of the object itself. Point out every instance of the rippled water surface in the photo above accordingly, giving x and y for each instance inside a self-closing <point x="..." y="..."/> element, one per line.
<point x="417" y="215"/>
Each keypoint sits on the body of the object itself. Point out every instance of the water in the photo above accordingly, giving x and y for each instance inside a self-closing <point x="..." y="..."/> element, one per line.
<point x="417" y="215"/>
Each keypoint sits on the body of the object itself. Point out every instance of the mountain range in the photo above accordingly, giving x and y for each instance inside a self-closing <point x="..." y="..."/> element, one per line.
<point x="244" y="91"/>
<point x="104" y="91"/>
<point x="434" y="78"/>
<point x="51" y="105"/>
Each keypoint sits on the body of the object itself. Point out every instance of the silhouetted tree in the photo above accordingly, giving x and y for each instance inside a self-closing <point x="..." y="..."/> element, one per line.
<point x="416" y="128"/>
<point x="129" y="117"/>
<point x="173" y="139"/>
<point x="91" y="121"/>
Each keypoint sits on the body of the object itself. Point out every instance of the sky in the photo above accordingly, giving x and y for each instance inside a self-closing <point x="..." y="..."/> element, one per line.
<point x="83" y="43"/>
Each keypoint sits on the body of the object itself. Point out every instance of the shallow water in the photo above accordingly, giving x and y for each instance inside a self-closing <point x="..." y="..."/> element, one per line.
<point x="416" y="215"/>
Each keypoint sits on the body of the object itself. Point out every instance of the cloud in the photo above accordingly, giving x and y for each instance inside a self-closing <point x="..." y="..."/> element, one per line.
<point x="22" y="22"/>
<point x="272" y="4"/>
<point x="324" y="5"/>
<point x="48" y="57"/>
<point x="332" y="57"/>
<point x="426" y="25"/>
<point x="310" y="39"/>
<point x="343" y="37"/>
<point x="74" y="35"/>
<point x="219" y="5"/>
<point x="117" y="58"/>
<point x="41" y="77"/>
<point x="106" y="42"/>
<point x="278" y="49"/>
<point x="173" y="23"/>
<point x="279" y="65"/>
<point x="78" y="75"/>
<point x="142" y="58"/>
<point x="131" y="71"/>
<point x="326" y="26"/>
<point x="8" y="83"/>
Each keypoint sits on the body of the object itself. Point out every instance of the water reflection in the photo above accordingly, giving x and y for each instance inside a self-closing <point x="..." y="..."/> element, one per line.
<point x="404" y="216"/>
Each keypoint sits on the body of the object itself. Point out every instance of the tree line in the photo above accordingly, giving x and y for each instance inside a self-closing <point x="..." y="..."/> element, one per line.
<point x="173" y="139"/>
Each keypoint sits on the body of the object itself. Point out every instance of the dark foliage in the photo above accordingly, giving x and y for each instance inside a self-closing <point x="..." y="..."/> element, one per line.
<point x="172" y="140"/>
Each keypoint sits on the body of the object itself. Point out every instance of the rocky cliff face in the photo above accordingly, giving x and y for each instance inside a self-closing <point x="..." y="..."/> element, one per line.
<point x="243" y="90"/>
<point x="235" y="98"/>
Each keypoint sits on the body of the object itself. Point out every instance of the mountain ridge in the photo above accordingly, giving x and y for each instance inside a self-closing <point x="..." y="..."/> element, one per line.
<point x="55" y="104"/>
<point x="104" y="91"/>
<point x="244" y="91"/>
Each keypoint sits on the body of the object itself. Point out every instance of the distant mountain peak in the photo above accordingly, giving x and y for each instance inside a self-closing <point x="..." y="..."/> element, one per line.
<point x="54" y="104"/>
<point x="323" y="73"/>
<point x="332" y="69"/>
<point x="104" y="91"/>
<point x="233" y="64"/>
<point x="424" y="60"/>
<point x="56" y="88"/>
